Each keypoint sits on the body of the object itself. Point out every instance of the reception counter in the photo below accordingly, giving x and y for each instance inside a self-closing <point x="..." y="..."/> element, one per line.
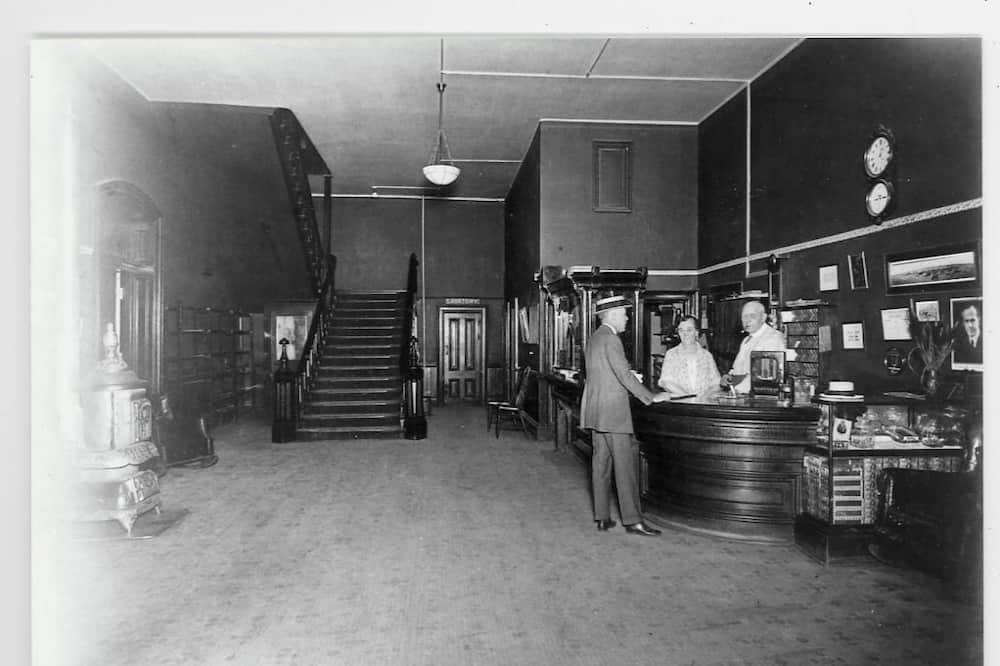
<point x="721" y="466"/>
<point x="729" y="467"/>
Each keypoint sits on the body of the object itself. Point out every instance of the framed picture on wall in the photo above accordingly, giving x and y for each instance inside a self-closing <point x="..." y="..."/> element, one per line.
<point x="828" y="280"/>
<point x="288" y="320"/>
<point x="927" y="310"/>
<point x="853" y="335"/>
<point x="951" y="267"/>
<point x="858" y="269"/>
<point x="896" y="324"/>
<point x="967" y="317"/>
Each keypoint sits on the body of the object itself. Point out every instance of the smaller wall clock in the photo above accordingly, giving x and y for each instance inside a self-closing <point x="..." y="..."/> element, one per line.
<point x="879" y="154"/>
<point x="879" y="200"/>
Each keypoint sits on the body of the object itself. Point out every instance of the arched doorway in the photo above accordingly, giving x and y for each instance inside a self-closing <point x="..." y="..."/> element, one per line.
<point x="129" y="286"/>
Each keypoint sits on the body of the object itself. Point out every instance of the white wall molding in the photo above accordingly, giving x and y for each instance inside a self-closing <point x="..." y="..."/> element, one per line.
<point x="888" y="225"/>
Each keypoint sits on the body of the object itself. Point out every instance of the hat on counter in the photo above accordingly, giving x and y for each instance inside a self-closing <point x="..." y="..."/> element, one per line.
<point x="610" y="303"/>
<point x="840" y="391"/>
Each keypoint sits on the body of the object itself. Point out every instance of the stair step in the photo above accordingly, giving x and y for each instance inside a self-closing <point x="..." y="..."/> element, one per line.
<point x="357" y="392"/>
<point x="334" y="370"/>
<point x="341" y="420"/>
<point x="322" y="434"/>
<point x="345" y="407"/>
<point x="360" y="348"/>
<point x="357" y="383"/>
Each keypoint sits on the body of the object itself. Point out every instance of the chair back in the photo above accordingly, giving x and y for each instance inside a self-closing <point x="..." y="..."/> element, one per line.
<point x="522" y="390"/>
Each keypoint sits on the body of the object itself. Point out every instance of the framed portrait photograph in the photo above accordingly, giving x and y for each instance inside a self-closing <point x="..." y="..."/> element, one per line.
<point x="858" y="269"/>
<point x="828" y="278"/>
<point x="853" y="335"/>
<point x="967" y="316"/>
<point x="953" y="267"/>
<point x="927" y="310"/>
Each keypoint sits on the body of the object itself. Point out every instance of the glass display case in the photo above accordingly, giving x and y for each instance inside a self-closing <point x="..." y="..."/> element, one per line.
<point x="856" y="438"/>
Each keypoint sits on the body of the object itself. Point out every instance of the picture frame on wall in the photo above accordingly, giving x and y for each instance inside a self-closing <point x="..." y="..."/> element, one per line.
<point x="951" y="267"/>
<point x="967" y="317"/>
<point x="853" y="335"/>
<point x="927" y="310"/>
<point x="896" y="324"/>
<point x="828" y="280"/>
<point x="858" y="270"/>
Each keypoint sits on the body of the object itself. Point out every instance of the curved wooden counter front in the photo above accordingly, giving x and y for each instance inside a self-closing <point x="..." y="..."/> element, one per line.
<point x="727" y="467"/>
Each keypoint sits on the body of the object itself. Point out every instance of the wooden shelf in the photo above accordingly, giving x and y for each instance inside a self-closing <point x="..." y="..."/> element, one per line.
<point x="208" y="361"/>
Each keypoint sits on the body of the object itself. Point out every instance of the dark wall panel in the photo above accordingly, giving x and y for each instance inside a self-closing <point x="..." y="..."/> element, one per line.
<point x="813" y="112"/>
<point x="522" y="211"/>
<point x="463" y="255"/>
<point x="661" y="229"/>
<point x="722" y="184"/>
<point x="373" y="240"/>
<point x="811" y="116"/>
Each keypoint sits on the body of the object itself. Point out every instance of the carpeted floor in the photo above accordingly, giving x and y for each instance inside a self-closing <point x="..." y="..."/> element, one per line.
<point x="463" y="549"/>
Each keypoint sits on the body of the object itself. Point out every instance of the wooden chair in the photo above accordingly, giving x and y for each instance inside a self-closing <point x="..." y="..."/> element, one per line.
<point x="516" y="411"/>
<point x="493" y="406"/>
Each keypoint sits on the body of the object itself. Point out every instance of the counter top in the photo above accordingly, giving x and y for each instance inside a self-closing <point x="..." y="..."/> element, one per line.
<point x="722" y="405"/>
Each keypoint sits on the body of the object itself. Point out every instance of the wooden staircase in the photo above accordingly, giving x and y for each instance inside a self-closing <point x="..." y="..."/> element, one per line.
<point x="357" y="390"/>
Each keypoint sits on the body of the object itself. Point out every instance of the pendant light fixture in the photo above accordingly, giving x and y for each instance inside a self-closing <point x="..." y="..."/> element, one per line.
<point x="440" y="170"/>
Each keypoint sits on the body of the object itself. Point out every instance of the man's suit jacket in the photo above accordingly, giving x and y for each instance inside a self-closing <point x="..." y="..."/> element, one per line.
<point x="605" y="404"/>
<point x="965" y="352"/>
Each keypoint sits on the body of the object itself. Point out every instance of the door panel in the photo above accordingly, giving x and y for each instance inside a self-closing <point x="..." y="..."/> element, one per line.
<point x="462" y="338"/>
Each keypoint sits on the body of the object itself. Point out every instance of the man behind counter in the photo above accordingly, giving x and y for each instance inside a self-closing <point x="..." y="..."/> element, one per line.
<point x="605" y="410"/>
<point x="760" y="337"/>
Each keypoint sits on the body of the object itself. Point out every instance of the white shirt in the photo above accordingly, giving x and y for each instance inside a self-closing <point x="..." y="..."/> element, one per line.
<point x="764" y="338"/>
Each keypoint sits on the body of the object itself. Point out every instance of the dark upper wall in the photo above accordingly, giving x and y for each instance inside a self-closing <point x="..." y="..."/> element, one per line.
<point x="722" y="183"/>
<point x="811" y="115"/>
<point x="813" y="112"/>
<point x="522" y="227"/>
<point x="661" y="230"/>
<point x="231" y="237"/>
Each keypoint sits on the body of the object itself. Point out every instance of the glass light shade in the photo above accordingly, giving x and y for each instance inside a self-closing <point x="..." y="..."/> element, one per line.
<point x="441" y="174"/>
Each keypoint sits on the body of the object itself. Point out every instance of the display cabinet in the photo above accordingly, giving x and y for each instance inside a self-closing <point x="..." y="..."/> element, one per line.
<point x="209" y="373"/>
<point x="856" y="438"/>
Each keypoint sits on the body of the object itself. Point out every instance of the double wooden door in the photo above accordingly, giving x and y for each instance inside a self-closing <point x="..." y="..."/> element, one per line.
<point x="462" y="353"/>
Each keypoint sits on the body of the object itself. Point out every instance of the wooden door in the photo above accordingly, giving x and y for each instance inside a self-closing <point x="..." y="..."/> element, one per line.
<point x="136" y="319"/>
<point x="462" y="354"/>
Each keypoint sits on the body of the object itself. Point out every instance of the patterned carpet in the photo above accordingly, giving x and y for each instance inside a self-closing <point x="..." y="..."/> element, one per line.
<point x="463" y="549"/>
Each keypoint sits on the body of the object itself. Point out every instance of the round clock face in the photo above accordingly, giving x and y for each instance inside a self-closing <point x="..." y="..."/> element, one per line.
<point x="878" y="156"/>
<point x="878" y="199"/>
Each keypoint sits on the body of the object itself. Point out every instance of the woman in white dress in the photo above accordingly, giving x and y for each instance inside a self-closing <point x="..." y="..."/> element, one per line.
<point x="688" y="368"/>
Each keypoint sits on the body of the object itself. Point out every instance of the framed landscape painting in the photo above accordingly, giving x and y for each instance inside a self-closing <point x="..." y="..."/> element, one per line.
<point x="944" y="268"/>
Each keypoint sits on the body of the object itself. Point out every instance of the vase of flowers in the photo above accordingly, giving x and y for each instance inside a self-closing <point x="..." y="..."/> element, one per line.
<point x="934" y="341"/>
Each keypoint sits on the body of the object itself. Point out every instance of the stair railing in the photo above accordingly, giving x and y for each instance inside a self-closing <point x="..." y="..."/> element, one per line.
<point x="299" y="158"/>
<point x="412" y="402"/>
<point x="292" y="386"/>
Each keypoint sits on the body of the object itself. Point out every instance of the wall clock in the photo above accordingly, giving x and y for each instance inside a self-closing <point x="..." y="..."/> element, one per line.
<point x="879" y="199"/>
<point x="879" y="153"/>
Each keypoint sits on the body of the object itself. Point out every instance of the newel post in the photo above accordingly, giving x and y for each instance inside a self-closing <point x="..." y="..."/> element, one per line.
<point x="285" y="399"/>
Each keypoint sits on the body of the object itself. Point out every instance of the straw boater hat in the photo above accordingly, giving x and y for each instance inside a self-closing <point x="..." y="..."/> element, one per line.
<point x="610" y="303"/>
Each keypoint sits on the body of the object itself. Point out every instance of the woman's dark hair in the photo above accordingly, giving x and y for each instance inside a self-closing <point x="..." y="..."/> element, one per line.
<point x="694" y="320"/>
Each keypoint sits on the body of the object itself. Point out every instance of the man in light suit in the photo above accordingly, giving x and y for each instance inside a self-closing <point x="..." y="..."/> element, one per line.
<point x="605" y="411"/>
<point x="760" y="337"/>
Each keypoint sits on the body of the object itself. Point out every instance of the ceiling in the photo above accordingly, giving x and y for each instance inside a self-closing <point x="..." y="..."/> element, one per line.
<point x="369" y="104"/>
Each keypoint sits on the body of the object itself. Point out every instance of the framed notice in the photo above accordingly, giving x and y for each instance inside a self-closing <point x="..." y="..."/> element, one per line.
<point x="896" y="324"/>
<point x="853" y="335"/>
<point x="828" y="278"/>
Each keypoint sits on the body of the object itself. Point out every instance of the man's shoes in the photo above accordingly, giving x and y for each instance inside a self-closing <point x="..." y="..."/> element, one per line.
<point x="605" y="525"/>
<point x="643" y="529"/>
